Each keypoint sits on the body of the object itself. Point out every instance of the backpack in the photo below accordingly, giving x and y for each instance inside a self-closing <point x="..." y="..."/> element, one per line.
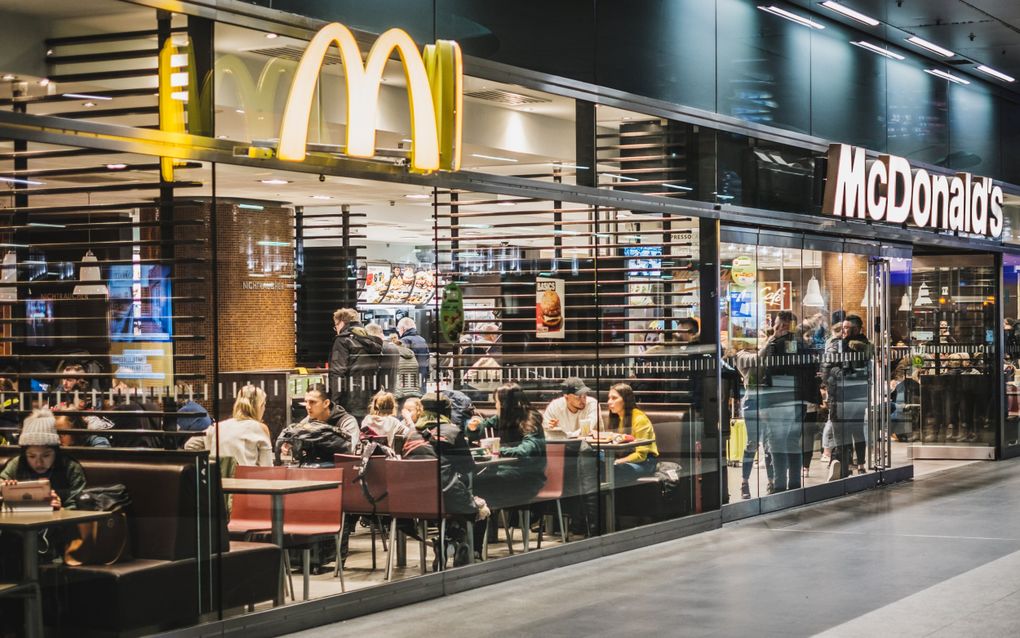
<point x="315" y="442"/>
<point x="105" y="541"/>
<point x="461" y="408"/>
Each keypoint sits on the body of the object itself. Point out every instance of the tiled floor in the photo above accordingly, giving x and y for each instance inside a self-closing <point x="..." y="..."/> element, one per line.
<point x="937" y="556"/>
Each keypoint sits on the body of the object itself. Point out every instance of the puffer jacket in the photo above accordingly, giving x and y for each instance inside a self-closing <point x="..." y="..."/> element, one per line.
<point x="354" y="369"/>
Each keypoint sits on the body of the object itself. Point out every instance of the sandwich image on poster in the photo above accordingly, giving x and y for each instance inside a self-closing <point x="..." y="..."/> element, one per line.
<point x="549" y="319"/>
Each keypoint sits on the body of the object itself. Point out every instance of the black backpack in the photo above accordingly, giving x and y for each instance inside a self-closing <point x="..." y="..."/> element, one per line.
<point x="315" y="443"/>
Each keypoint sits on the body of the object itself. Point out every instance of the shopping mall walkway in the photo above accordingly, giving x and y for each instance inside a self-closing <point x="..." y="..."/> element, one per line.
<point x="936" y="557"/>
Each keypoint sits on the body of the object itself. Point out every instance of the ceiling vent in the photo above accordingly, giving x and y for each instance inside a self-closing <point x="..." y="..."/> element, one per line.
<point x="506" y="97"/>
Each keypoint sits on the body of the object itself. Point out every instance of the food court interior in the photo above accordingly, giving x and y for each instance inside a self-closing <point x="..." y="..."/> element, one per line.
<point x="139" y="291"/>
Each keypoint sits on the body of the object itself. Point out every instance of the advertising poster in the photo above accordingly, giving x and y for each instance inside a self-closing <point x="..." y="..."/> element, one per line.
<point x="549" y="317"/>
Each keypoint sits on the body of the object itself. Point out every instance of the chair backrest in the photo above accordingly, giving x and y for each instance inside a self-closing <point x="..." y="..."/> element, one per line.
<point x="354" y="499"/>
<point x="555" y="470"/>
<point x="413" y="488"/>
<point x="254" y="507"/>
<point x="320" y="508"/>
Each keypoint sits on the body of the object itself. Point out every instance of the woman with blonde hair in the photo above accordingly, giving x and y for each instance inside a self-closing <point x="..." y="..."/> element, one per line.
<point x="382" y="418"/>
<point x="244" y="436"/>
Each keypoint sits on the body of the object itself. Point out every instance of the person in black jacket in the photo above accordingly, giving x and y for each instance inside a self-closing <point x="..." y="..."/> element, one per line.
<point x="354" y="363"/>
<point x="409" y="337"/>
<point x="440" y="438"/>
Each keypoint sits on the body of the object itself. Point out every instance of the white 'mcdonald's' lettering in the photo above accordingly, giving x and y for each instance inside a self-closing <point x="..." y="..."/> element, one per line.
<point x="889" y="190"/>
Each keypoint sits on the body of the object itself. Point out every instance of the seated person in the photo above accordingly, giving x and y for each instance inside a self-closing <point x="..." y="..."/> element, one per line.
<point x="87" y="429"/>
<point x="565" y="415"/>
<point x="327" y="430"/>
<point x="436" y="436"/>
<point x="411" y="411"/>
<point x="192" y="417"/>
<point x="625" y="418"/>
<point x="382" y="418"/>
<point x="42" y="458"/>
<point x="519" y="427"/>
<point x="244" y="436"/>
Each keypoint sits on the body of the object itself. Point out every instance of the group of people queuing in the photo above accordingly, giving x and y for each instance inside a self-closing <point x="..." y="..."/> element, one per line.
<point x="803" y="382"/>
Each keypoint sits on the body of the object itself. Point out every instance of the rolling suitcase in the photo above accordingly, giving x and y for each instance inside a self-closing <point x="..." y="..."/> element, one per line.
<point x="736" y="443"/>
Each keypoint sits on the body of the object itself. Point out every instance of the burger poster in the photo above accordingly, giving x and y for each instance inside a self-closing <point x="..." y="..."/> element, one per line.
<point x="549" y="319"/>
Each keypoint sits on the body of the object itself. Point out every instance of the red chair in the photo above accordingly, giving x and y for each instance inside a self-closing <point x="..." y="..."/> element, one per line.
<point x="354" y="500"/>
<point x="311" y="516"/>
<point x="251" y="513"/>
<point x="555" y="473"/>
<point x="413" y="493"/>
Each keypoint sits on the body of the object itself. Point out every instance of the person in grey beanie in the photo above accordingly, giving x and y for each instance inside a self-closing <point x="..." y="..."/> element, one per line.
<point x="41" y="457"/>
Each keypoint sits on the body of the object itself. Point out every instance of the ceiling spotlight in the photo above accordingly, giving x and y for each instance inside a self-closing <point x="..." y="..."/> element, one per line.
<point x="417" y="196"/>
<point x="8" y="76"/>
<point x="924" y="44"/>
<point x="850" y="13"/>
<point x="274" y="181"/>
<point x="271" y="36"/>
<point x="88" y="105"/>
<point x="44" y="82"/>
<point x="321" y="196"/>
<point x="116" y="167"/>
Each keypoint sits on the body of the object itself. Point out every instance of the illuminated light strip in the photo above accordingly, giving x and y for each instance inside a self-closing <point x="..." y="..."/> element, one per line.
<point x="792" y="17"/>
<point x="273" y="243"/>
<point x="18" y="180"/>
<point x="362" y="83"/>
<point x="946" y="76"/>
<point x="850" y="13"/>
<point x="493" y="157"/>
<point x="251" y="206"/>
<point x="924" y="44"/>
<point x="877" y="49"/>
<point x="86" y="96"/>
<point x="678" y="187"/>
<point x="624" y="178"/>
<point x="995" y="74"/>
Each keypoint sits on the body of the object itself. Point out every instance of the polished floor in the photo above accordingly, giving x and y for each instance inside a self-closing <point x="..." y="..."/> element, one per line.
<point x="939" y="556"/>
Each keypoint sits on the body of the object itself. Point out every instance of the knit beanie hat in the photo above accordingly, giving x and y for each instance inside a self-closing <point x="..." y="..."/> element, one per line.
<point x="40" y="428"/>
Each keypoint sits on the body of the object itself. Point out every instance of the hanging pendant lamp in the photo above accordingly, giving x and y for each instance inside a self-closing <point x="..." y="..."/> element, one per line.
<point x="813" y="297"/>
<point x="91" y="278"/>
<point x="905" y="305"/>
<point x="923" y="296"/>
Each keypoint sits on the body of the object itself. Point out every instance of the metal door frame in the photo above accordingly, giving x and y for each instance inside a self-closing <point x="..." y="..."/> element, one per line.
<point x="879" y="400"/>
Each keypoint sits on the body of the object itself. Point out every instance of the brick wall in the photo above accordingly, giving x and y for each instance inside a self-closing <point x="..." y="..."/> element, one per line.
<point x="844" y="280"/>
<point x="255" y="296"/>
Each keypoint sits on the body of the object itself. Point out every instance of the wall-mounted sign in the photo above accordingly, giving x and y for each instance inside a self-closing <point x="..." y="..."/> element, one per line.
<point x="434" y="90"/>
<point x="743" y="271"/>
<point x="776" y="296"/>
<point x="890" y="190"/>
<point x="549" y="319"/>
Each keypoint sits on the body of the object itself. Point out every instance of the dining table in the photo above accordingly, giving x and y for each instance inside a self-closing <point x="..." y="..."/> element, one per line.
<point x="276" y="490"/>
<point x="27" y="525"/>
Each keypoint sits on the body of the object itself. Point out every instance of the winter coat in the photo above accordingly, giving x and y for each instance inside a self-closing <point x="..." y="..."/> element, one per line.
<point x="354" y="365"/>
<point x="420" y="347"/>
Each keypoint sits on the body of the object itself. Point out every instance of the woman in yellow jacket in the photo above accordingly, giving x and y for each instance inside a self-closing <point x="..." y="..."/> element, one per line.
<point x="624" y="417"/>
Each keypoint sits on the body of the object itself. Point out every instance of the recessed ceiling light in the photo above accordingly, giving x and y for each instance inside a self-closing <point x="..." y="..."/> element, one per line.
<point x="417" y="196"/>
<point x="877" y="49"/>
<point x="995" y="74"/>
<point x="321" y="196"/>
<point x="44" y="82"/>
<point x="241" y="111"/>
<point x="792" y="17"/>
<point x="850" y="13"/>
<point x="946" y="76"/>
<point x="924" y="44"/>
<point x="274" y="181"/>
<point x="116" y="167"/>
<point x="271" y="36"/>
<point x="88" y="105"/>
<point x="8" y="76"/>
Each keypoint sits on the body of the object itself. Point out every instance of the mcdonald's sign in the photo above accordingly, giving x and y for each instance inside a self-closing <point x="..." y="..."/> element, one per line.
<point x="434" y="91"/>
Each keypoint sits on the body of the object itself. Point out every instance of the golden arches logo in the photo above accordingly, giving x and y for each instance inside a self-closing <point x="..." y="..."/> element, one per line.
<point x="434" y="92"/>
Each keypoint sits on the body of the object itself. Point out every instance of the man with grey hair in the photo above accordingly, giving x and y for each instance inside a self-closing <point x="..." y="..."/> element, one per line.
<point x="409" y="337"/>
<point x="389" y="359"/>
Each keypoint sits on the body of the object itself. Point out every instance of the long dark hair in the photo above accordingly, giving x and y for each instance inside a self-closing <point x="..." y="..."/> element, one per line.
<point x="58" y="471"/>
<point x="629" y="405"/>
<point x="516" y="416"/>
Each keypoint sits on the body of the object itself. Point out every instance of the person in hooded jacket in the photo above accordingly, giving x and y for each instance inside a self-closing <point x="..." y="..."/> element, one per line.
<point x="327" y="430"/>
<point x="436" y="436"/>
<point x="409" y="337"/>
<point x="354" y="363"/>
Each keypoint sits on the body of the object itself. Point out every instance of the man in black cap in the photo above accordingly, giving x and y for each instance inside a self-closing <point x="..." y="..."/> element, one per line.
<point x="569" y="414"/>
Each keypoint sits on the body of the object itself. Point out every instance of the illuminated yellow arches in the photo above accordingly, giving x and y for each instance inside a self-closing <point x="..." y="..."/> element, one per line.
<point x="434" y="91"/>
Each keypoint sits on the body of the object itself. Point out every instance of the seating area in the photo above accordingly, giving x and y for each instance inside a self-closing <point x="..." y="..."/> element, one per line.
<point x="169" y="518"/>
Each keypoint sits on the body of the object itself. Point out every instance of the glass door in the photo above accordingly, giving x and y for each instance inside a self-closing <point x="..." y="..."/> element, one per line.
<point x="881" y="385"/>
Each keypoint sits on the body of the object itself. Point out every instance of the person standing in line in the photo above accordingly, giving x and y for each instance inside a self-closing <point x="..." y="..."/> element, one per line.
<point x="354" y="363"/>
<point x="389" y="360"/>
<point x="409" y="337"/>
